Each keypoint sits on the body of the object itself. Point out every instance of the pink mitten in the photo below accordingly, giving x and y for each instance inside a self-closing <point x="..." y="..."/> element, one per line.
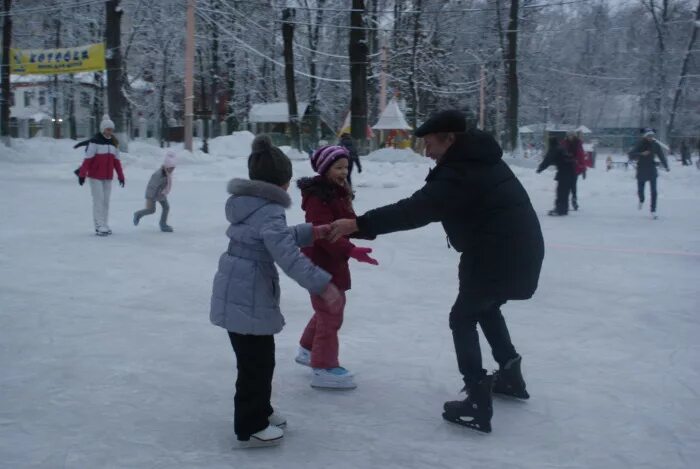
<point x="362" y="255"/>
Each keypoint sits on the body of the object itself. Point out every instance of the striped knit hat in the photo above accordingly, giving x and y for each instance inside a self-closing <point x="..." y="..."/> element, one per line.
<point x="326" y="156"/>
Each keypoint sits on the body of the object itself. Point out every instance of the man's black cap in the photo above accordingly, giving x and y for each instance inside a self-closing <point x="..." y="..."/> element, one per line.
<point x="444" y="121"/>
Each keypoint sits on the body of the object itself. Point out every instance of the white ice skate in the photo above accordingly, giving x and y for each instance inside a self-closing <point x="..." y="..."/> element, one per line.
<point x="277" y="420"/>
<point x="332" y="378"/>
<point x="270" y="436"/>
<point x="303" y="357"/>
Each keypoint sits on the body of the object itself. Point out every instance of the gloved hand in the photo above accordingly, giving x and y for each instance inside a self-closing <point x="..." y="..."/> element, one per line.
<point x="81" y="180"/>
<point x="321" y="231"/>
<point x="121" y="182"/>
<point x="362" y="255"/>
<point x="331" y="295"/>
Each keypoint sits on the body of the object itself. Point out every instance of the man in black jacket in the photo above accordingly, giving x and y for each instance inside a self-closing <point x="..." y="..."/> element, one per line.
<point x="346" y="141"/>
<point x="488" y="217"/>
<point x="566" y="175"/>
<point x="644" y="153"/>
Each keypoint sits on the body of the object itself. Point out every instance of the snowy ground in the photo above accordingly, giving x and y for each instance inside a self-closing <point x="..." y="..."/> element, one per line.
<point x="108" y="360"/>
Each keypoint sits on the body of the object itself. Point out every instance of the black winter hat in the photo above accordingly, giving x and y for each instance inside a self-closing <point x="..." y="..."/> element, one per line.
<point x="267" y="162"/>
<point x="451" y="120"/>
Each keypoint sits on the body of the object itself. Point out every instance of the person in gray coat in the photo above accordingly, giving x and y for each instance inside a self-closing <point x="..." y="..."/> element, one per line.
<point x="246" y="293"/>
<point x="157" y="190"/>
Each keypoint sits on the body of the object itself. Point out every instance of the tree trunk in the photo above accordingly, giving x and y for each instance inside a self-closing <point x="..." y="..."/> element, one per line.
<point x="56" y="121"/>
<point x="314" y="117"/>
<point x="161" y="100"/>
<point x="72" y="128"/>
<point x="684" y="70"/>
<point x="5" y="72"/>
<point x="512" y="77"/>
<point x="115" y="75"/>
<point x="357" y="52"/>
<point x="214" y="69"/>
<point x="657" y="101"/>
<point x="288" y="38"/>
<point x="203" y="111"/>
<point x="412" y="82"/>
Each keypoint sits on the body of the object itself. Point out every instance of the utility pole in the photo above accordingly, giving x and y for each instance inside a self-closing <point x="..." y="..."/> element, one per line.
<point x="5" y="73"/>
<point x="382" y="82"/>
<point x="189" y="71"/>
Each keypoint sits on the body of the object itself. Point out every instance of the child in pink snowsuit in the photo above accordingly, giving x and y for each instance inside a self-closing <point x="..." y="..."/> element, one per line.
<point x="325" y="198"/>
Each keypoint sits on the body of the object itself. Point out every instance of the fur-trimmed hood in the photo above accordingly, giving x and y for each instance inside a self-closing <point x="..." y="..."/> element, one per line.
<point x="319" y="186"/>
<point x="249" y="196"/>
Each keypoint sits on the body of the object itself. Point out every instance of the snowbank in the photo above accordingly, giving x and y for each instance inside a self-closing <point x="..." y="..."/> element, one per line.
<point x="392" y="155"/>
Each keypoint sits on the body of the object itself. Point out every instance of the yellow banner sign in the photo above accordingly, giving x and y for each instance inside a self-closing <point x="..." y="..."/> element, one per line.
<point x="53" y="61"/>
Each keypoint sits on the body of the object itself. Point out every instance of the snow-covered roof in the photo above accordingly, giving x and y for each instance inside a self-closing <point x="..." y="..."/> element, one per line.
<point x="392" y="118"/>
<point x="583" y="129"/>
<point x="273" y="112"/>
<point x="526" y="130"/>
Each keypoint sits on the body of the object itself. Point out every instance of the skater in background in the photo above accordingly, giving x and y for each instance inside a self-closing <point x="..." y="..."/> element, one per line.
<point x="346" y="141"/>
<point x="488" y="217"/>
<point x="573" y="145"/>
<point x="100" y="163"/>
<point x="685" y="154"/>
<point x="326" y="198"/>
<point x="645" y="153"/>
<point x="246" y="292"/>
<point x="566" y="175"/>
<point x="157" y="190"/>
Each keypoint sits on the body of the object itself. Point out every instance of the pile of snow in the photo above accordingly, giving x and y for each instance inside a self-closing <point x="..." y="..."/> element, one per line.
<point x="236" y="145"/>
<point x="293" y="153"/>
<point x="393" y="155"/>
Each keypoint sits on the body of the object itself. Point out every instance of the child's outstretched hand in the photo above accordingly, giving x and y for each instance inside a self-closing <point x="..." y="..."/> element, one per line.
<point x="362" y="255"/>
<point x="321" y="231"/>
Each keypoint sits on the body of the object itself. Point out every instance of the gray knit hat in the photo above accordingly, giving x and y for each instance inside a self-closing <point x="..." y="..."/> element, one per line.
<point x="267" y="162"/>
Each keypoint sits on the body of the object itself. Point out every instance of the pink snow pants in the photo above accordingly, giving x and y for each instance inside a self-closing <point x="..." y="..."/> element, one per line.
<point x="321" y="333"/>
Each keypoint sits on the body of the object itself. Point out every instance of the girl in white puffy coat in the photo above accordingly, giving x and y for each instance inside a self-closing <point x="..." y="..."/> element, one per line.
<point x="157" y="190"/>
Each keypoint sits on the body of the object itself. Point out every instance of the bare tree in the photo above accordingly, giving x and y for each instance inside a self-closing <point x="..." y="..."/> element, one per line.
<point x="684" y="71"/>
<point x="5" y="72"/>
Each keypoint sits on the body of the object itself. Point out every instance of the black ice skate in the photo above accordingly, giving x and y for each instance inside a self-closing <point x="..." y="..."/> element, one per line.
<point x="476" y="410"/>
<point x="508" y="381"/>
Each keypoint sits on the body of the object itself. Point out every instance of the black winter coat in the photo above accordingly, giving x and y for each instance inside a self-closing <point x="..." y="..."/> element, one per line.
<point x="485" y="212"/>
<point x="646" y="166"/>
<point x="560" y="158"/>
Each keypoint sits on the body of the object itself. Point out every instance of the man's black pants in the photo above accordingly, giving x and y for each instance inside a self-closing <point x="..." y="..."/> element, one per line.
<point x="255" y="359"/>
<point x="468" y="311"/>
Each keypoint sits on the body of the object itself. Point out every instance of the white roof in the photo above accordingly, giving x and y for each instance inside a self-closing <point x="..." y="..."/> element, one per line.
<point x="525" y="130"/>
<point x="273" y="112"/>
<point x="392" y="118"/>
<point x="583" y="129"/>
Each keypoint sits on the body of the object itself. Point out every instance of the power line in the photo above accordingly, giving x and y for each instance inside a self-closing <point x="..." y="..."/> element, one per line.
<point x="14" y="12"/>
<point x="270" y="59"/>
<point x="420" y="12"/>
